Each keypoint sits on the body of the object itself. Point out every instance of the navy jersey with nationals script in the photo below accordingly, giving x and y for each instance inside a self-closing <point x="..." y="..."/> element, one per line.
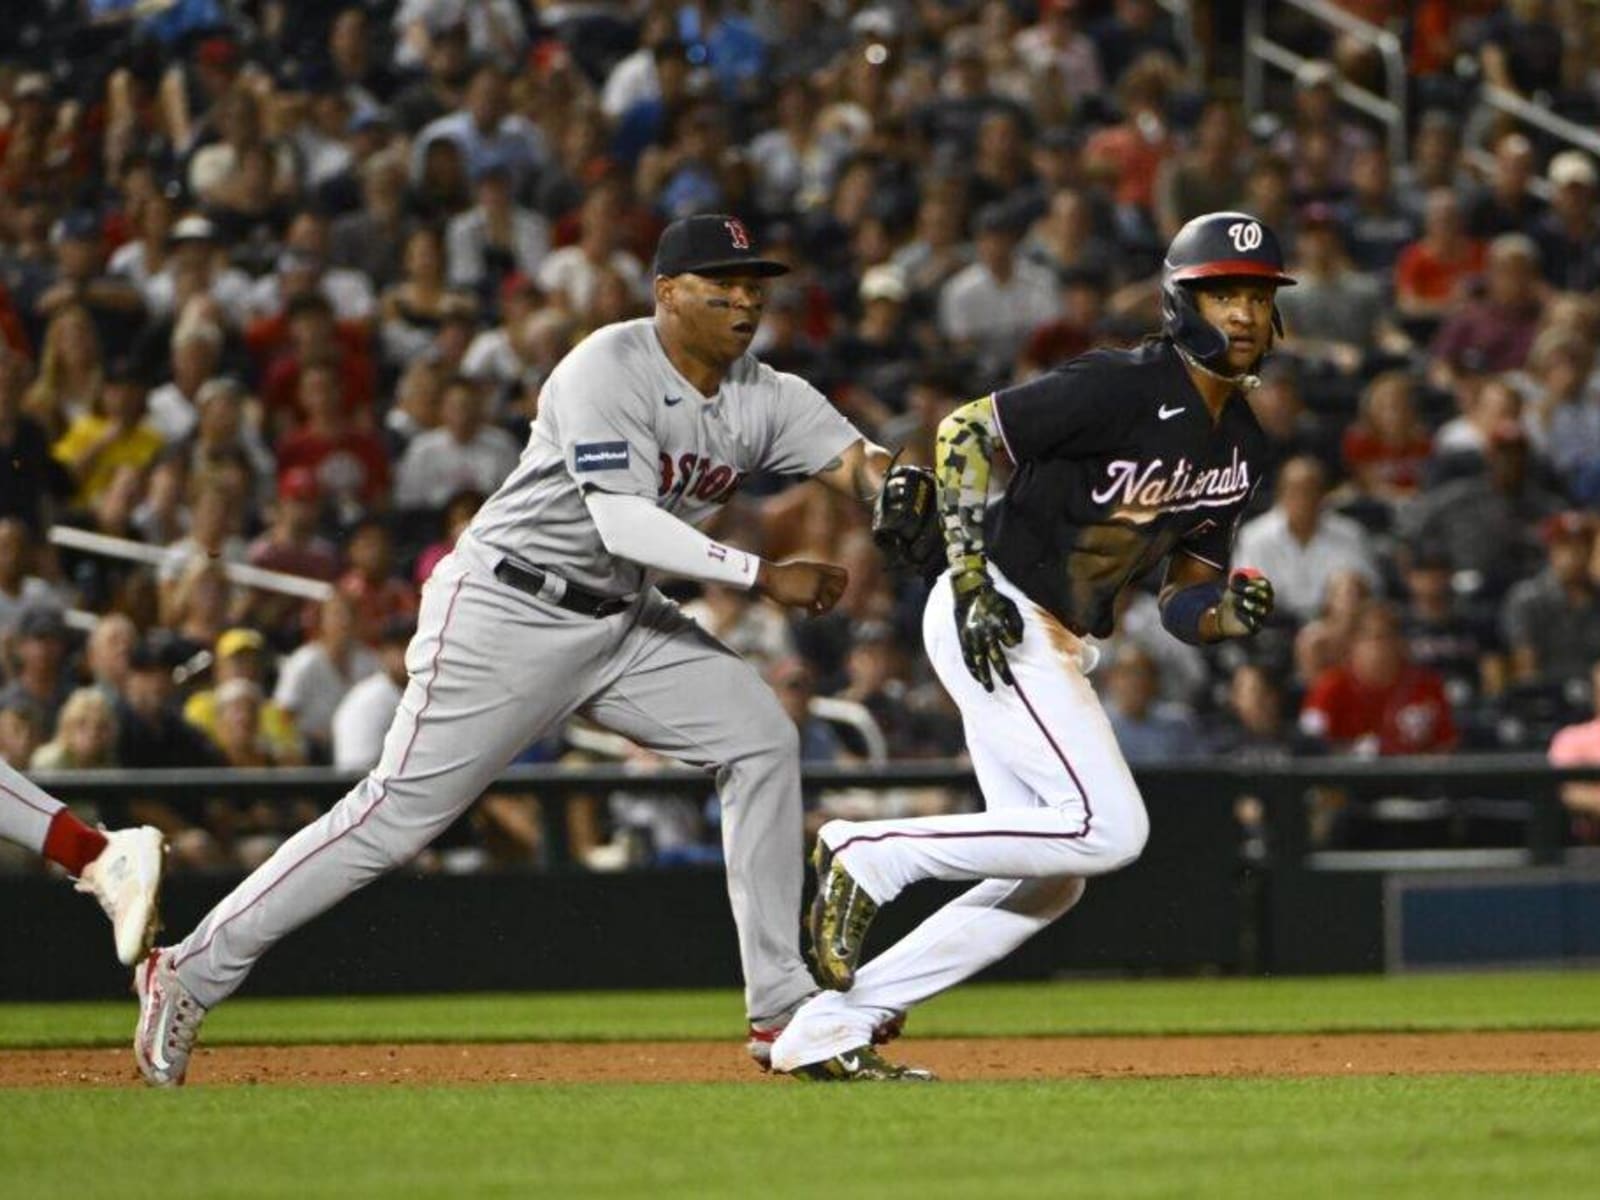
<point x="1118" y="464"/>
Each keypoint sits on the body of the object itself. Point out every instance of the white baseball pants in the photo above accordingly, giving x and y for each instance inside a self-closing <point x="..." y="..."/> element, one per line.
<point x="491" y="669"/>
<point x="26" y="809"/>
<point x="1061" y="805"/>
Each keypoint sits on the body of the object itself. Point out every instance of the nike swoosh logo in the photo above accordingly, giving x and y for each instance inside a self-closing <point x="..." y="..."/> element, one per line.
<point x="1166" y="414"/>
<point x="852" y="1064"/>
<point x="671" y="400"/>
<point x="158" y="1052"/>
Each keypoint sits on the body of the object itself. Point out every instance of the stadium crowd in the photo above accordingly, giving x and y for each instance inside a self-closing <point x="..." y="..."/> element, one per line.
<point x="279" y="284"/>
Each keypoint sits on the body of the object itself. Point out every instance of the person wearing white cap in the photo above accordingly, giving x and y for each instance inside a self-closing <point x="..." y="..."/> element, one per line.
<point x="193" y="245"/>
<point x="1569" y="233"/>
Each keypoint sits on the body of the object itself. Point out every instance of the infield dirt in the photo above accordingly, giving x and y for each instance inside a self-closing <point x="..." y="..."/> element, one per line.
<point x="1258" y="1056"/>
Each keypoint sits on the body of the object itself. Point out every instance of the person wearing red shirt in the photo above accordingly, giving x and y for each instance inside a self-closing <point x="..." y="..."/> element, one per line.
<point x="350" y="465"/>
<point x="1378" y="701"/>
<point x="1387" y="446"/>
<point x="377" y="596"/>
<point x="306" y="331"/>
<point x="1432" y="272"/>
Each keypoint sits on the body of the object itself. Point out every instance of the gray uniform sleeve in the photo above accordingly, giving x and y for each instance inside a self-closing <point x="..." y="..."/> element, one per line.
<point x="603" y="421"/>
<point x="806" y="432"/>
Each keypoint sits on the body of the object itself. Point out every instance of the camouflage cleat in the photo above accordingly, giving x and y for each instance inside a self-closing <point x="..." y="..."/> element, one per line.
<point x="861" y="1065"/>
<point x="840" y="917"/>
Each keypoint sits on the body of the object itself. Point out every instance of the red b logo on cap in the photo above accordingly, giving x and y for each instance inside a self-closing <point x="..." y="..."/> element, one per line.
<point x="736" y="233"/>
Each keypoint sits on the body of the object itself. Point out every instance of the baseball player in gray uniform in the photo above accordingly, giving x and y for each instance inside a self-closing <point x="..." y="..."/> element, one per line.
<point x="546" y="609"/>
<point x="120" y="868"/>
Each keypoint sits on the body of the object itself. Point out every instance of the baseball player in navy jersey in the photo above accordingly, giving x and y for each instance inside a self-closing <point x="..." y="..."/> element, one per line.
<point x="1122" y="459"/>
<point x="121" y="868"/>
<point x="546" y="608"/>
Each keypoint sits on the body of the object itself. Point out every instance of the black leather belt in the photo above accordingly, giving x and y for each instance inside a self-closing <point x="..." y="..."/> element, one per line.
<point x="552" y="589"/>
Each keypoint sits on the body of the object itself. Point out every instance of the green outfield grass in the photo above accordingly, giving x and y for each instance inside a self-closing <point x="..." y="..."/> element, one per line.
<point x="1423" y="1136"/>
<point x="1439" y="1136"/>
<point x="1543" y="1000"/>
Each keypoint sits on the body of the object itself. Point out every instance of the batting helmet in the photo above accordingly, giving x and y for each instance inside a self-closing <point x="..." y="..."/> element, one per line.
<point x="1219" y="245"/>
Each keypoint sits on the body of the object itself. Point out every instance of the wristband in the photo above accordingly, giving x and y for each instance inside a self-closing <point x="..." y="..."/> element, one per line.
<point x="1182" y="613"/>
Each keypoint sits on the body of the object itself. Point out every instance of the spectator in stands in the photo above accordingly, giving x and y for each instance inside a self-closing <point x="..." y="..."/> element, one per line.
<point x="226" y="436"/>
<point x="1325" y="640"/>
<point x="1316" y="118"/>
<point x="1508" y="204"/>
<point x="1127" y="157"/>
<point x="1521" y="49"/>
<point x="33" y="477"/>
<point x="1573" y="746"/>
<point x="303" y="267"/>
<point x="486" y="130"/>
<point x="241" y="654"/>
<point x="22" y="732"/>
<point x="1443" y="637"/>
<point x="495" y="359"/>
<point x="1552" y="621"/>
<point x="412" y="311"/>
<point x="569" y="275"/>
<point x="446" y="59"/>
<point x="1299" y="544"/>
<point x="1335" y="317"/>
<point x="1210" y="177"/>
<point x="20" y="589"/>
<point x="1251" y="727"/>
<point x="1386" y="448"/>
<point x="199" y="606"/>
<point x="113" y="435"/>
<point x="151" y="731"/>
<point x="1377" y="227"/>
<point x="214" y="167"/>
<point x="377" y="595"/>
<point x="1378" y="702"/>
<point x="364" y="240"/>
<point x="1059" y="54"/>
<point x="1484" y="522"/>
<point x="1134" y="29"/>
<point x="363" y="717"/>
<point x="1563" y="412"/>
<point x="1493" y="334"/>
<point x="350" y="464"/>
<point x="1432" y="273"/>
<point x="85" y="738"/>
<point x="308" y="332"/>
<point x="988" y="308"/>
<point x="1292" y="430"/>
<point x="795" y="684"/>
<point x="196" y="351"/>
<point x="1569" y="233"/>
<point x="197" y="263"/>
<point x="79" y="278"/>
<point x="1147" y="730"/>
<point x="1064" y="238"/>
<point x="749" y="626"/>
<point x="71" y="372"/>
<point x="458" y="514"/>
<point x="108" y="654"/>
<point x="938" y="248"/>
<point x="213" y="534"/>
<point x="316" y="677"/>
<point x="496" y="238"/>
<point x="463" y="452"/>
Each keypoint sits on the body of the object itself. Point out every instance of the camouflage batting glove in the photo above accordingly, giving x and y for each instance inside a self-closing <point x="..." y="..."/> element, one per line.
<point x="986" y="623"/>
<point x="1245" y="605"/>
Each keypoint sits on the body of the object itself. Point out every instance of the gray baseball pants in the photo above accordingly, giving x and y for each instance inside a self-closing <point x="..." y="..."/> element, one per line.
<point x="491" y="669"/>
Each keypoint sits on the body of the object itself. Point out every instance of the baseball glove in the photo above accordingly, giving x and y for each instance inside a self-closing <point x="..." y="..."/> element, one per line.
<point x="905" y="519"/>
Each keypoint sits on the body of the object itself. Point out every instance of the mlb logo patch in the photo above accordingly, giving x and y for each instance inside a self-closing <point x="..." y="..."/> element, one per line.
<point x="600" y="456"/>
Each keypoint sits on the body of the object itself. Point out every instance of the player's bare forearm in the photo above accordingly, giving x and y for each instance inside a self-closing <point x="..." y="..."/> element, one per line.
<point x="858" y="472"/>
<point x="963" y="460"/>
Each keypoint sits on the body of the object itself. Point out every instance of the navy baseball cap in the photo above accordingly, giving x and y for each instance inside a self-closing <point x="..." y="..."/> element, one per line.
<point x="712" y="244"/>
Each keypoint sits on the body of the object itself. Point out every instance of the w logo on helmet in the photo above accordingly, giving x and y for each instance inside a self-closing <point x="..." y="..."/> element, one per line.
<point x="1246" y="235"/>
<point x="741" y="239"/>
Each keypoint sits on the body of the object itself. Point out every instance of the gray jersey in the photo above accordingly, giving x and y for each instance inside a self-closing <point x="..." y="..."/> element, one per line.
<point x="617" y="416"/>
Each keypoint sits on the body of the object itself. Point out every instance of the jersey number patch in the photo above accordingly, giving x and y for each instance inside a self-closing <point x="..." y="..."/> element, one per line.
<point x="699" y="477"/>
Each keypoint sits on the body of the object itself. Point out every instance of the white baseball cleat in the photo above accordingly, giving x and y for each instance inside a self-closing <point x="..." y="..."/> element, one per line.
<point x="126" y="879"/>
<point x="169" y="1021"/>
